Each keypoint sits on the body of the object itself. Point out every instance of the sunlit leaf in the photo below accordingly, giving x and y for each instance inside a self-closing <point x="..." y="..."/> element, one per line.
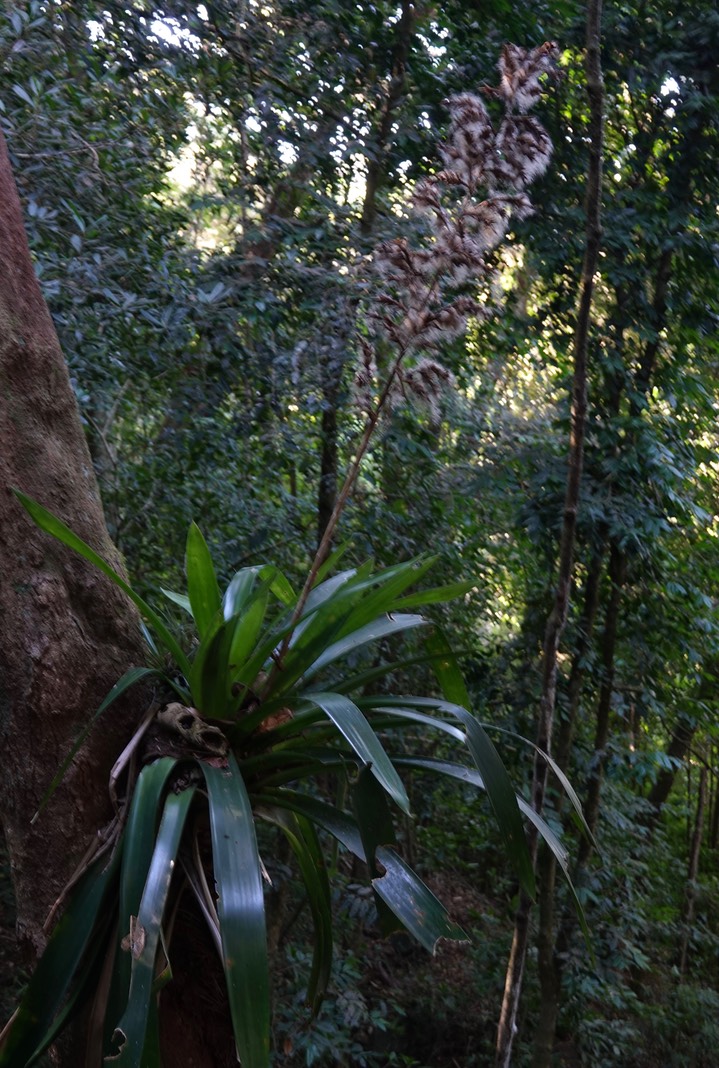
<point x="447" y="670"/>
<point x="239" y="591"/>
<point x="371" y="632"/>
<point x="202" y="588"/>
<point x="180" y="599"/>
<point x="435" y="595"/>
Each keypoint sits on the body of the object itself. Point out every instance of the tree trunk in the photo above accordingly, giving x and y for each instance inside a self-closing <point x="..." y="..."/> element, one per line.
<point x="714" y="825"/>
<point x="68" y="634"/>
<point x="693" y="871"/>
<point x="327" y="488"/>
<point x="507" y="1028"/>
<point x="548" y="967"/>
<point x="377" y="163"/>
<point x="682" y="736"/>
<point x="617" y="575"/>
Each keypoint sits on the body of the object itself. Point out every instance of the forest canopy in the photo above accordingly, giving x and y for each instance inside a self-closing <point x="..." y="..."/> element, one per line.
<point x="205" y="188"/>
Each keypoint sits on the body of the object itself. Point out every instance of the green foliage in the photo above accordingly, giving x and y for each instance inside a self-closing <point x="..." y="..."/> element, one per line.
<point x="209" y="329"/>
<point x="278" y="732"/>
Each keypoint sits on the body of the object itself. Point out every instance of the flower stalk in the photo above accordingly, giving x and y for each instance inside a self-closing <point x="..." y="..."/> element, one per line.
<point x="429" y="293"/>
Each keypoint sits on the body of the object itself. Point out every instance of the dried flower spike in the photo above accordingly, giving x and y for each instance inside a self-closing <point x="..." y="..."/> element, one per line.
<point x="469" y="205"/>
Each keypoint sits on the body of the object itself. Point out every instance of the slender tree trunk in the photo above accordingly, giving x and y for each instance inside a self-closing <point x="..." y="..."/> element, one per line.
<point x="693" y="870"/>
<point x="714" y="831"/>
<point x="327" y="489"/>
<point x="377" y="162"/>
<point x="557" y="618"/>
<point x="549" y="969"/>
<point x="549" y="959"/>
<point x="549" y="973"/>
<point x="681" y="740"/>
<point x="617" y="576"/>
<point x="568" y="721"/>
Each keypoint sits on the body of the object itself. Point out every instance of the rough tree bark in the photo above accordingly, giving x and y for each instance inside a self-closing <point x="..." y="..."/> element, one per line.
<point x="68" y="634"/>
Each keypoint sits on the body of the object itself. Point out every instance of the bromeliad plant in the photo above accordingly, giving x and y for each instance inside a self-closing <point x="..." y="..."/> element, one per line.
<point x="242" y="737"/>
<point x="273" y="693"/>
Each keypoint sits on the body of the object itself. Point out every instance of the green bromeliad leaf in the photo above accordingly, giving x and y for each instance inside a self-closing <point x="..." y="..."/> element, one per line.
<point x="303" y="839"/>
<point x="139" y="845"/>
<point x="354" y="726"/>
<point x="144" y="934"/>
<point x="202" y="588"/>
<point x="413" y="903"/>
<point x="52" y="525"/>
<point x="63" y="968"/>
<point x="241" y="911"/>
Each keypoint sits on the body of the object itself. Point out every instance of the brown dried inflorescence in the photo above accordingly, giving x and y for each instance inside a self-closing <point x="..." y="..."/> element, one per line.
<point x="469" y="205"/>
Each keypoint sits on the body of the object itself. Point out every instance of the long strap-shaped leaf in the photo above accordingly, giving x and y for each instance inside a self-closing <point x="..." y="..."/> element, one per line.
<point x="459" y="771"/>
<point x="32" y="1029"/>
<point x="241" y="910"/>
<point x="301" y="835"/>
<point x="139" y="845"/>
<point x="145" y="935"/>
<point x="131" y="677"/>
<point x="472" y="776"/>
<point x="52" y="525"/>
<point x="374" y="819"/>
<point x="401" y="889"/>
<point x="352" y="723"/>
<point x="413" y="903"/>
<point x="371" y="632"/>
<point x="578" y="812"/>
<point x="496" y="780"/>
<point x="333" y="820"/>
<point x="202" y="588"/>
<point x="501" y="795"/>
